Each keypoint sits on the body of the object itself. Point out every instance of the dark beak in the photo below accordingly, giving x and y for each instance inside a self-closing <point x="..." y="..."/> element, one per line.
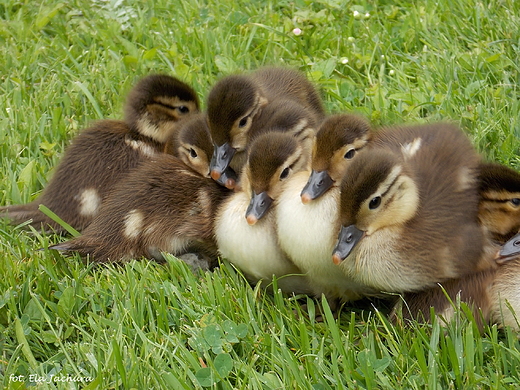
<point x="228" y="178"/>
<point x="220" y="160"/>
<point x="318" y="184"/>
<point x="510" y="250"/>
<point x="258" y="207"/>
<point x="348" y="238"/>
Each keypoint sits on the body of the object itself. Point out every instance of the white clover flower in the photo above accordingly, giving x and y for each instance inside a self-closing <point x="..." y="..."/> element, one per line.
<point x="344" y="60"/>
<point x="297" y="31"/>
<point x="351" y="39"/>
<point x="367" y="15"/>
<point x="356" y="14"/>
<point x="392" y="72"/>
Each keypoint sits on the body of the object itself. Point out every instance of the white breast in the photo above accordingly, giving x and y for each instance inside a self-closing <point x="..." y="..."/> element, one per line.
<point x="254" y="249"/>
<point x="377" y="263"/>
<point x="308" y="234"/>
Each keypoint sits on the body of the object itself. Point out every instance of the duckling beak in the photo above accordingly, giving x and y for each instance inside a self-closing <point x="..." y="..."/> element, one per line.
<point x="228" y="178"/>
<point x="220" y="160"/>
<point x="317" y="185"/>
<point x="510" y="250"/>
<point x="258" y="206"/>
<point x="348" y="238"/>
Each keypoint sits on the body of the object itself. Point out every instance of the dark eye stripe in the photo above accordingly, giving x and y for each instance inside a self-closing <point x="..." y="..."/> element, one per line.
<point x="499" y="200"/>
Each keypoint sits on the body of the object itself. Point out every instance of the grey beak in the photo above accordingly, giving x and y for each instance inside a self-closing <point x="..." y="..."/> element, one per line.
<point x="317" y="185"/>
<point x="510" y="250"/>
<point x="220" y="160"/>
<point x="258" y="206"/>
<point x="348" y="238"/>
<point x="228" y="178"/>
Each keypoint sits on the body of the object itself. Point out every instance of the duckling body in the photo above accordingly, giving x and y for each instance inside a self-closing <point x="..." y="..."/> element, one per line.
<point x="492" y="295"/>
<point x="409" y="211"/>
<point x="238" y="105"/>
<point x="104" y="153"/>
<point x="307" y="211"/>
<point x="245" y="225"/>
<point x="161" y="206"/>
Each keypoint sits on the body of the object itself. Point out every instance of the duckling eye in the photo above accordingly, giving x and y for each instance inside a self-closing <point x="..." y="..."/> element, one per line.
<point x="183" y="109"/>
<point x="284" y="173"/>
<point x="350" y="154"/>
<point x="193" y="153"/>
<point x="515" y="201"/>
<point x="374" y="203"/>
<point x="243" y="121"/>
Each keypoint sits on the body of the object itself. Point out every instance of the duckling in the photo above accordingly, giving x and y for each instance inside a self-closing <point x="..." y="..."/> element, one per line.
<point x="338" y="140"/>
<point x="235" y="106"/>
<point x="307" y="211"/>
<point x="161" y="206"/>
<point x="245" y="228"/>
<point x="409" y="211"/>
<point x="192" y="144"/>
<point x="104" y="153"/>
<point x="485" y="292"/>
<point x="499" y="207"/>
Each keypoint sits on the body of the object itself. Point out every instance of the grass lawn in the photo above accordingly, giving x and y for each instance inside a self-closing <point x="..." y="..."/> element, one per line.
<point x="145" y="325"/>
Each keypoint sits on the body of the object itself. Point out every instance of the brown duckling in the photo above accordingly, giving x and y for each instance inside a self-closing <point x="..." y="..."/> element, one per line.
<point x="104" y="153"/>
<point x="308" y="226"/>
<point x="245" y="226"/>
<point x="191" y="143"/>
<point x="235" y="106"/>
<point x="161" y="206"/>
<point x="409" y="211"/>
<point x="338" y="139"/>
<point x="485" y="292"/>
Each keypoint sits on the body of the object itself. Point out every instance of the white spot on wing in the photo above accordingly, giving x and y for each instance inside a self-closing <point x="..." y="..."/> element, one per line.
<point x="89" y="201"/>
<point x="133" y="223"/>
<point x="467" y="179"/>
<point x="411" y="148"/>
<point x="141" y="147"/>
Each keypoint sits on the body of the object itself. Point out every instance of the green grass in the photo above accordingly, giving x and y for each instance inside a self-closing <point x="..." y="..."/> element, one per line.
<point x="148" y="325"/>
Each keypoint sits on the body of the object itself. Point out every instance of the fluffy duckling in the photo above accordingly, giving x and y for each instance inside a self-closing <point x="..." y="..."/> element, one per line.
<point x="191" y="143"/>
<point x="499" y="208"/>
<point x="104" y="153"/>
<point x="338" y="140"/>
<point x="409" y="211"/>
<point x="235" y="106"/>
<point x="161" y="206"/>
<point x="485" y="292"/>
<point x="245" y="228"/>
<point x="307" y="211"/>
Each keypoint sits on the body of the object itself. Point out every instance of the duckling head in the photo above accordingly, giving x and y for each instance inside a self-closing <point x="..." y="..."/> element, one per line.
<point x="192" y="144"/>
<point x="499" y="206"/>
<point x="338" y="140"/>
<point x="232" y="104"/>
<point x="274" y="157"/>
<point x="376" y="193"/>
<point x="156" y="103"/>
